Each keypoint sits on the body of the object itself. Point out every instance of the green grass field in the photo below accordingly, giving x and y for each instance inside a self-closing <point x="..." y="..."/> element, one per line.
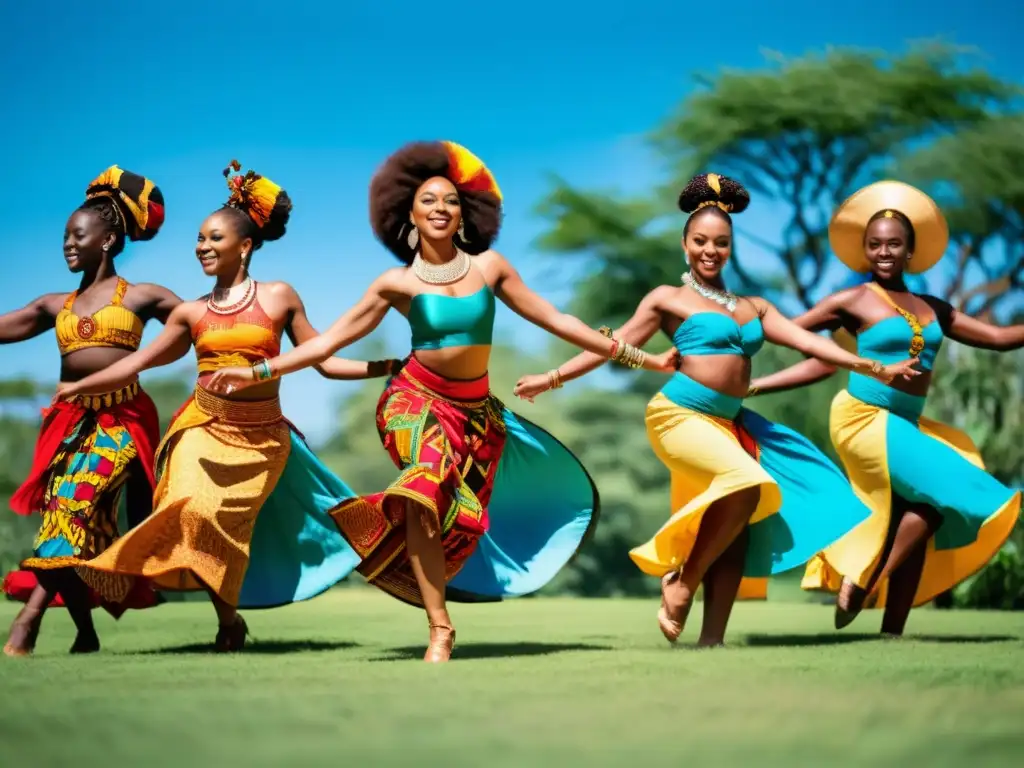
<point x="338" y="681"/>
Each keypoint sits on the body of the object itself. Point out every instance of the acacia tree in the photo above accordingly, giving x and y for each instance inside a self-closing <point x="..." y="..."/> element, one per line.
<point x="802" y="134"/>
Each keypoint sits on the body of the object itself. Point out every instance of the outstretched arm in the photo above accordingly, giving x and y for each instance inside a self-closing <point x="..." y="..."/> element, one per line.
<point x="159" y="302"/>
<point x="172" y="344"/>
<point x="974" y="332"/>
<point x="801" y="374"/>
<point x="637" y="331"/>
<point x="300" y="330"/>
<point x="350" y="327"/>
<point x="34" y="318"/>
<point x="511" y="289"/>
<point x="780" y="330"/>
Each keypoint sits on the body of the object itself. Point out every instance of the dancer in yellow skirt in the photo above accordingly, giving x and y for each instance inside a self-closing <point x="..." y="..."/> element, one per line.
<point x="241" y="505"/>
<point x="749" y="498"/>
<point x="937" y="516"/>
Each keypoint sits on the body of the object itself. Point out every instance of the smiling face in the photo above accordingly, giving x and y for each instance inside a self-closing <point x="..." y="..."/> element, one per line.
<point x="886" y="247"/>
<point x="85" y="234"/>
<point x="708" y="245"/>
<point x="222" y="244"/>
<point x="437" y="210"/>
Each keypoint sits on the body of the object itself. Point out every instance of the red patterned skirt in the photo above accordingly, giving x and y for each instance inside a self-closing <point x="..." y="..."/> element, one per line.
<point x="78" y="472"/>
<point x="447" y="438"/>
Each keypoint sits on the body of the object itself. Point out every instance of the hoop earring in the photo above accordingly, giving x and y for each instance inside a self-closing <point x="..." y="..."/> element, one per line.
<point x="413" y="238"/>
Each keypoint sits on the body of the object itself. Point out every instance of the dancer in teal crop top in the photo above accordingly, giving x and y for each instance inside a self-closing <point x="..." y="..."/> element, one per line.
<point x="465" y="461"/>
<point x="937" y="517"/>
<point x="438" y="321"/>
<point x="747" y="495"/>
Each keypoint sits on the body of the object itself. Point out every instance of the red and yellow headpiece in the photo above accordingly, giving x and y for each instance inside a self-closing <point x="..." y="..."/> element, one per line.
<point x="256" y="195"/>
<point x="138" y="199"/>
<point x="468" y="172"/>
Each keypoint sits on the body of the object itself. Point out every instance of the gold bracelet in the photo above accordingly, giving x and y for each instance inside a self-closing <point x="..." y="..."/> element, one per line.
<point x="753" y="391"/>
<point x="554" y="379"/>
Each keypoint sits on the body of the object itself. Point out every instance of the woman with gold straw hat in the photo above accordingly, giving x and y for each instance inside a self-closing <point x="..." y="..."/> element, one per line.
<point x="487" y="505"/>
<point x="937" y="516"/>
<point x="241" y="506"/>
<point x="748" y="496"/>
<point x="90" y="448"/>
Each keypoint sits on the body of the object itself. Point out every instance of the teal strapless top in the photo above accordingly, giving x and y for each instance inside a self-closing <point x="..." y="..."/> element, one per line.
<point x="451" y="321"/>
<point x="711" y="333"/>
<point x="888" y="341"/>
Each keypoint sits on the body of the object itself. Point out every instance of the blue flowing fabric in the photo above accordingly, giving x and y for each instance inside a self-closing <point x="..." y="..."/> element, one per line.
<point x="818" y="504"/>
<point x="543" y="508"/>
<point x="297" y="551"/>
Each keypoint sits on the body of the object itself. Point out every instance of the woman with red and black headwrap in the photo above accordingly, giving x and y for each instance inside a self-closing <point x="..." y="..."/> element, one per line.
<point x="487" y="505"/>
<point x="89" y="448"/>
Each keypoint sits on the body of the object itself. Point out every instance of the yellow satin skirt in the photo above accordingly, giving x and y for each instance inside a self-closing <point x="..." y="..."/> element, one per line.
<point x="218" y="463"/>
<point x="707" y="462"/>
<point x="888" y="449"/>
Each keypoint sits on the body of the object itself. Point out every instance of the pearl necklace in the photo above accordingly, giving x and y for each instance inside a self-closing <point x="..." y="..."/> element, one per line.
<point x="442" y="274"/>
<point x="725" y="298"/>
<point x="230" y="309"/>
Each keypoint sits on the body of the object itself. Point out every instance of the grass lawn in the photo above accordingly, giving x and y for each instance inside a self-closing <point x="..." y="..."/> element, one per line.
<point x="338" y="681"/>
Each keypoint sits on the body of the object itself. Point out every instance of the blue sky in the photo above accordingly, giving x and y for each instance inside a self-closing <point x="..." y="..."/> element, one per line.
<point x="316" y="95"/>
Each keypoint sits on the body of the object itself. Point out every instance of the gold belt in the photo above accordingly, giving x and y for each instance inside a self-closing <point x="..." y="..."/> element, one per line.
<point x="249" y="412"/>
<point x="107" y="399"/>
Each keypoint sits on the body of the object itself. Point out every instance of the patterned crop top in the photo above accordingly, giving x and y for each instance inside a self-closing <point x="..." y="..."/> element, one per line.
<point x="239" y="337"/>
<point x="439" y="321"/>
<point x="712" y="333"/>
<point x="111" y="326"/>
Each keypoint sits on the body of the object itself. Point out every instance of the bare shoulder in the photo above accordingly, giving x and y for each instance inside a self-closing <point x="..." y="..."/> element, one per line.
<point x="278" y="289"/>
<point x="152" y="292"/>
<point x="189" y="312"/>
<point x="392" y="282"/>
<point x="660" y="298"/>
<point x="492" y="264"/>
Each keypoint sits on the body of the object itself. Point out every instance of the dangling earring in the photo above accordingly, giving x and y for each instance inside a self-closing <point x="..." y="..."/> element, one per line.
<point x="106" y="248"/>
<point x="414" y="238"/>
<point x="462" y="230"/>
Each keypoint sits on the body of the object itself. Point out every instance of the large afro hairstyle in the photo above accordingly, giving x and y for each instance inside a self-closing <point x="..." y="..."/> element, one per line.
<point x="393" y="189"/>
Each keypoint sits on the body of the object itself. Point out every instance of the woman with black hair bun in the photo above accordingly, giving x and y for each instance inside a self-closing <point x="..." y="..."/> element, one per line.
<point x="241" y="507"/>
<point x="487" y="505"/>
<point x="937" y="516"/>
<point x="749" y="498"/>
<point x="92" y="448"/>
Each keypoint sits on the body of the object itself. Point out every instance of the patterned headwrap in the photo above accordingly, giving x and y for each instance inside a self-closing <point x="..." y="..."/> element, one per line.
<point x="137" y="199"/>
<point x="891" y="199"/>
<point x="256" y="195"/>
<point x="468" y="172"/>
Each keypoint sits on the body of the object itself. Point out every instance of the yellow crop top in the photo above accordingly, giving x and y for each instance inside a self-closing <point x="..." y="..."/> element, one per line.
<point x="111" y="326"/>
<point x="240" y="337"/>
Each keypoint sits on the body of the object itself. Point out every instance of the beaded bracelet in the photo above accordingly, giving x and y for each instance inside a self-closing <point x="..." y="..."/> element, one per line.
<point x="261" y="371"/>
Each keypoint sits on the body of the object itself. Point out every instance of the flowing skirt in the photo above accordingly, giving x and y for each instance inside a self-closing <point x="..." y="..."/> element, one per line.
<point x="511" y="503"/>
<point x="79" y="469"/>
<point x="713" y="448"/>
<point x="240" y="508"/>
<point x="889" y="449"/>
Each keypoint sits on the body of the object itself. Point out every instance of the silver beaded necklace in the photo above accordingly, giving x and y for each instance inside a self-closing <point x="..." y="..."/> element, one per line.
<point x="725" y="298"/>
<point x="442" y="274"/>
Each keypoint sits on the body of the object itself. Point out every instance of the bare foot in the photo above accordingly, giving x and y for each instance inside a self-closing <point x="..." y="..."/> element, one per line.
<point x="86" y="643"/>
<point x="849" y="603"/>
<point x="442" y="641"/>
<point x="676" y="599"/>
<point x="24" y="632"/>
<point x="231" y="638"/>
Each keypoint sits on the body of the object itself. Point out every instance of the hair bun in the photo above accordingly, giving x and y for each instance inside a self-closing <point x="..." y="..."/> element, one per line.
<point x="712" y="189"/>
<point x="265" y="203"/>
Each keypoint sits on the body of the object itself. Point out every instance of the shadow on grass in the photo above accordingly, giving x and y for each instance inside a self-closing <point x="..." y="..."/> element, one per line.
<point x="492" y="650"/>
<point x="825" y="638"/>
<point x="257" y="647"/>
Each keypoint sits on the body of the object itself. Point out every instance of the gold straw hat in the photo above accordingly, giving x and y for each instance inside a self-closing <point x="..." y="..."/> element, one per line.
<point x="846" y="230"/>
